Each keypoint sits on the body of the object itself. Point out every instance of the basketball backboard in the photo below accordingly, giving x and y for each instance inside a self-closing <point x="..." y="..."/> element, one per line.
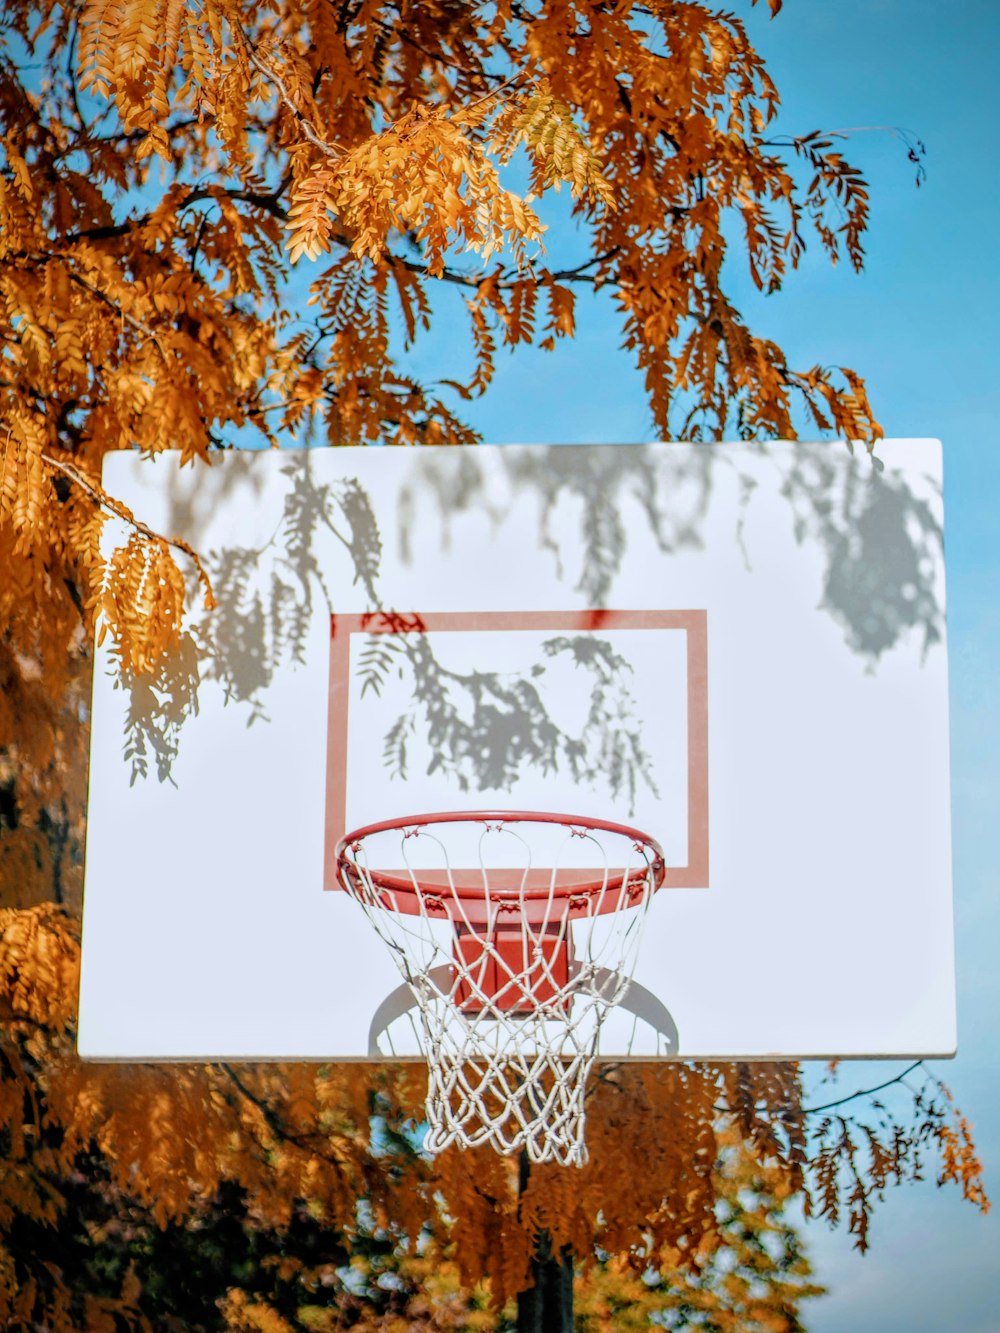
<point x="738" y="649"/>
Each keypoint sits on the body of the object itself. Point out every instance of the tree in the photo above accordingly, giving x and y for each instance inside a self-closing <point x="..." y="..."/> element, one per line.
<point x="165" y="165"/>
<point x="275" y="1197"/>
<point x="179" y="182"/>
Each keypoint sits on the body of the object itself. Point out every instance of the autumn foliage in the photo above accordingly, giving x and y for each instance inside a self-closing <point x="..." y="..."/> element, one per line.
<point x="225" y="224"/>
<point x="280" y="1197"/>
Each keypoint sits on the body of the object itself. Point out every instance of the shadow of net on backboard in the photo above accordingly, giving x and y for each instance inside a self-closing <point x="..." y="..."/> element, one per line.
<point x="395" y="1029"/>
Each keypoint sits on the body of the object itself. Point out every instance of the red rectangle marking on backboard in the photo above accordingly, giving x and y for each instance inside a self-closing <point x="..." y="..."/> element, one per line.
<point x="695" y="873"/>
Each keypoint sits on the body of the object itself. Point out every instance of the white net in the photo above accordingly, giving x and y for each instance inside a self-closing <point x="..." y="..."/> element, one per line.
<point x="512" y="967"/>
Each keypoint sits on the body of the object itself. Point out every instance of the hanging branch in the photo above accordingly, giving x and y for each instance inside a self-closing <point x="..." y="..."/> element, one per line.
<point x="120" y="510"/>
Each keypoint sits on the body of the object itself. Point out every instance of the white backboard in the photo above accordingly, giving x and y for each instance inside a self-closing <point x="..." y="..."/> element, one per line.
<point x="737" y="648"/>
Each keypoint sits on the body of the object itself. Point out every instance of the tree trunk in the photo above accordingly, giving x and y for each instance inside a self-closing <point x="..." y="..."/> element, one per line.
<point x="547" y="1306"/>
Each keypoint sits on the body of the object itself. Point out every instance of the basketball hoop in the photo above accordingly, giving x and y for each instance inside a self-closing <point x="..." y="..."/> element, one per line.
<point x="513" y="967"/>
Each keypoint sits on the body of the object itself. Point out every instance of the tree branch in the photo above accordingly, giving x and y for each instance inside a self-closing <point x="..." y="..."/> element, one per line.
<point x="472" y="280"/>
<point x="438" y="59"/>
<point x="274" y="1123"/>
<point x="863" y="1092"/>
<point x="111" y="231"/>
<point x="87" y="140"/>
<point x="105" y="501"/>
<point x="129" y="319"/>
<point x="303" y="120"/>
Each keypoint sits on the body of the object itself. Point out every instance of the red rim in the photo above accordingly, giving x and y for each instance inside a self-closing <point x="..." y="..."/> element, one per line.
<point x="469" y="884"/>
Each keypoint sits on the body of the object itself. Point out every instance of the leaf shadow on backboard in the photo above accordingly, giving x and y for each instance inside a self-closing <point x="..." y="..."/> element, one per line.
<point x="483" y="727"/>
<point x="879" y="543"/>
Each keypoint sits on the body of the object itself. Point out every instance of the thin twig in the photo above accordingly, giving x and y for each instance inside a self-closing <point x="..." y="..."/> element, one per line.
<point x="276" y="79"/>
<point x="439" y="58"/>
<point x="567" y="274"/>
<point x="74" y="33"/>
<point x="852" y="1096"/>
<point x="129" y="319"/>
<point x="578" y="274"/>
<point x="863" y="1092"/>
<point x="495" y="92"/>
<point x="273" y="1122"/>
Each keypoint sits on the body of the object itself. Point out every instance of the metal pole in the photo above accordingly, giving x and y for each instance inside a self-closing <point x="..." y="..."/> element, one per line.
<point x="547" y="1306"/>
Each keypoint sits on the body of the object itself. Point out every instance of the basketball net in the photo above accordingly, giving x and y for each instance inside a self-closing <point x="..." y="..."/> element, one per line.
<point x="513" y="969"/>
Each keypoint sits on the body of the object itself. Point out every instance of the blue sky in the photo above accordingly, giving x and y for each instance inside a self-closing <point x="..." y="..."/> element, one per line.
<point x="919" y="324"/>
